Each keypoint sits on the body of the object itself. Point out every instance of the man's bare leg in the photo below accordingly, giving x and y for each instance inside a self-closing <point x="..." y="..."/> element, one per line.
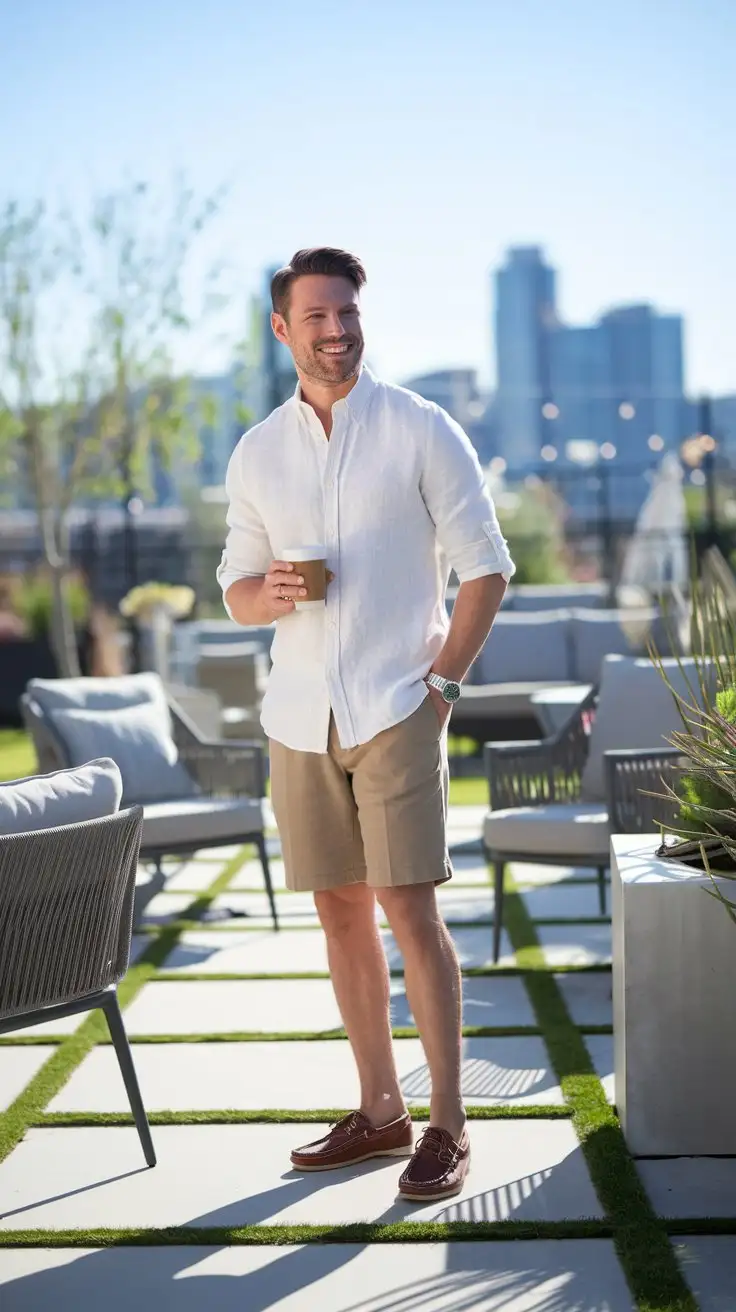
<point x="434" y="989"/>
<point x="360" y="979"/>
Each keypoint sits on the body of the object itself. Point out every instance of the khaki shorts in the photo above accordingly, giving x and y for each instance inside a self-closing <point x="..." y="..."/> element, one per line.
<point x="372" y="814"/>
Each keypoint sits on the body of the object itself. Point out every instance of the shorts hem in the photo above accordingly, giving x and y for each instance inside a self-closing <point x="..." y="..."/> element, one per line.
<point x="325" y="884"/>
<point x="414" y="883"/>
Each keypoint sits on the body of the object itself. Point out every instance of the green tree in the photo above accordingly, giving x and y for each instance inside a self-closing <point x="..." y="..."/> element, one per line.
<point x="93" y="319"/>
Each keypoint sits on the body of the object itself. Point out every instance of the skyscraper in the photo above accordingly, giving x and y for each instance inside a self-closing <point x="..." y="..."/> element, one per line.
<point x="645" y="379"/>
<point x="525" y="314"/>
<point x="579" y="388"/>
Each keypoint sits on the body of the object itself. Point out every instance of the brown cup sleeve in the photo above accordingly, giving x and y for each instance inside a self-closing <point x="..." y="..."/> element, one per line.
<point x="314" y="573"/>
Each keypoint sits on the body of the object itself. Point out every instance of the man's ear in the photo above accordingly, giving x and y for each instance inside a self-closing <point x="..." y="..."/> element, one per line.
<point x="279" y="326"/>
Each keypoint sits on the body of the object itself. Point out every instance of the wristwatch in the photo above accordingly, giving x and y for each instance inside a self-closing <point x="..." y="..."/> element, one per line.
<point x="448" y="687"/>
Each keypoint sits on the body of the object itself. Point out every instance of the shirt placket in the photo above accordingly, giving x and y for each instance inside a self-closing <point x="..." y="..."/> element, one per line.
<point x="334" y="671"/>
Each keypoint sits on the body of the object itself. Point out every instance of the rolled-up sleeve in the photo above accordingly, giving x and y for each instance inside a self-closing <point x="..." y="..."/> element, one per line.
<point x="247" y="552"/>
<point x="460" y="504"/>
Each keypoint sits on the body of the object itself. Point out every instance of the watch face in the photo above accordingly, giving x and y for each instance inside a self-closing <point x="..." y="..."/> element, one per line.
<point x="451" y="691"/>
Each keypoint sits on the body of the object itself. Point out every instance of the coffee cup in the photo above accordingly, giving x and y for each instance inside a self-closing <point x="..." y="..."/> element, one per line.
<point x="311" y="563"/>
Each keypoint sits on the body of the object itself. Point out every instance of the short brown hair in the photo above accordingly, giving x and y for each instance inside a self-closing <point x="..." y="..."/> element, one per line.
<point x="318" y="259"/>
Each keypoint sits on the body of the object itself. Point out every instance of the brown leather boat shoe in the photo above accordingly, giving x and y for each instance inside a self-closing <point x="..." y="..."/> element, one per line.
<point x="438" y="1168"/>
<point x="354" y="1139"/>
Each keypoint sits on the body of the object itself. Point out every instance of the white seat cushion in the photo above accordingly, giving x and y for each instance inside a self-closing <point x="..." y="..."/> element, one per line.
<point x="66" y="797"/>
<point x="201" y="821"/>
<point x="574" y="830"/>
<point x="635" y="710"/>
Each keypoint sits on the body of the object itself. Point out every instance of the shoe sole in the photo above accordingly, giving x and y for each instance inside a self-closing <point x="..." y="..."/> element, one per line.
<point x="430" y="1198"/>
<point x="354" y="1161"/>
<point x="434" y="1197"/>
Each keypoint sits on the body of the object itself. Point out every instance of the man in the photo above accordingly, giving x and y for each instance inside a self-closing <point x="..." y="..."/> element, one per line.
<point x="360" y="692"/>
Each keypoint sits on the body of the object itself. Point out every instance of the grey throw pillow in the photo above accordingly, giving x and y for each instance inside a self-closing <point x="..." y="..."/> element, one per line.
<point x="137" y="741"/>
<point x="66" y="797"/>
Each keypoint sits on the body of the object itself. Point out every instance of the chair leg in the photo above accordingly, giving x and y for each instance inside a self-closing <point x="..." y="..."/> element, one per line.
<point x="116" y="1027"/>
<point x="263" y="853"/>
<point x="498" y="874"/>
<point x="602" y="889"/>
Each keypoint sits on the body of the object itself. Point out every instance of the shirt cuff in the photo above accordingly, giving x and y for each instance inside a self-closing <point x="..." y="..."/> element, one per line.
<point x="226" y="576"/>
<point x="482" y="571"/>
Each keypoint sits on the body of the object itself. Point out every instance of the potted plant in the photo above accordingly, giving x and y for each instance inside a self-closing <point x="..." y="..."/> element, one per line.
<point x="703" y="831"/>
<point x="155" y="606"/>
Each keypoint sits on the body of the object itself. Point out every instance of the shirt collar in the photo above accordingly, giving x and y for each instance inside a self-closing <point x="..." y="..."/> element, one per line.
<point x="356" y="399"/>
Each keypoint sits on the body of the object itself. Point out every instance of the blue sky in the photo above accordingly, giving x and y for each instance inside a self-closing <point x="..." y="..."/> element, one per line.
<point x="426" y="136"/>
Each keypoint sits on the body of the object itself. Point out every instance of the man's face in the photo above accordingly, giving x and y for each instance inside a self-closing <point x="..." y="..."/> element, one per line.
<point x="322" y="328"/>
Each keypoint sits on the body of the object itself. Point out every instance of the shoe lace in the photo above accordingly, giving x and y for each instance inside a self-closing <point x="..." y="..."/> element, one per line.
<point x="434" y="1142"/>
<point x="348" y="1122"/>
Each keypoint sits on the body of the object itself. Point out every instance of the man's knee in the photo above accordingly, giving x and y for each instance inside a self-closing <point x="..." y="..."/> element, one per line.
<point x="410" y="908"/>
<point x="343" y="910"/>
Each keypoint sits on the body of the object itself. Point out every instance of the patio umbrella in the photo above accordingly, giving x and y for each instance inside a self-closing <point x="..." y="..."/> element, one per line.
<point x="656" y="555"/>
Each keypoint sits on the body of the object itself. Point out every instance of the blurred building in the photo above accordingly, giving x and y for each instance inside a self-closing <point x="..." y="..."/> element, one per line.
<point x="644" y="354"/>
<point x="524" y="315"/>
<point x="724" y="424"/>
<point x="218" y="416"/>
<point x="566" y="392"/>
<point x="456" y="390"/>
<point x="579" y="407"/>
<point x="271" y="377"/>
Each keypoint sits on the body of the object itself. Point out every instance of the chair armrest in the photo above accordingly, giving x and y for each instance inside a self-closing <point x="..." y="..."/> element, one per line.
<point x="229" y="767"/>
<point x="223" y="767"/>
<point x="66" y="910"/>
<point x="546" y="770"/>
<point x="631" y="776"/>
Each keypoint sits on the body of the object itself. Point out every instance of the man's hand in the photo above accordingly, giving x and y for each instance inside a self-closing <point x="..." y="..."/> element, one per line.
<point x="443" y="708"/>
<point x="283" y="586"/>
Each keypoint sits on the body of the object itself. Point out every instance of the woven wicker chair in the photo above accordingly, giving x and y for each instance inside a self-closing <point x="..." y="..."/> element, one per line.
<point x="66" y="914"/>
<point x="542" y="811"/>
<point x="231" y="778"/>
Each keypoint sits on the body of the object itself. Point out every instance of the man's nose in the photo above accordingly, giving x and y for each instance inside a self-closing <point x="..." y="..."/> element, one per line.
<point x="334" y="326"/>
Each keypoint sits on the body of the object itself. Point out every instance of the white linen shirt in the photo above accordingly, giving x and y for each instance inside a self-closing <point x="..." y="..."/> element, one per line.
<point x="398" y="498"/>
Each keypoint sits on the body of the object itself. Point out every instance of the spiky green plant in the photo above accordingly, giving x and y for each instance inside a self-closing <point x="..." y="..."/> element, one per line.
<point x="698" y="791"/>
<point x="705" y="796"/>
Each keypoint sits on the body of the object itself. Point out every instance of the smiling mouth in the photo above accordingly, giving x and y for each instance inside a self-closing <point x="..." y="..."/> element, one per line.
<point x="336" y="350"/>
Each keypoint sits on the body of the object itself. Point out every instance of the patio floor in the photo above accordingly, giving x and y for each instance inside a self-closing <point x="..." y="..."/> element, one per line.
<point x="241" y="1056"/>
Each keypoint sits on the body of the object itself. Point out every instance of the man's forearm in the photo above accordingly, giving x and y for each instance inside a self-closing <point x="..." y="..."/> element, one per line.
<point x="245" y="599"/>
<point x="473" y="613"/>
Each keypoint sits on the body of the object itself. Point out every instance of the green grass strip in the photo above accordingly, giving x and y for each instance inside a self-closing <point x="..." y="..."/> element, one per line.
<point x="302" y="1036"/>
<point x="427" y="1232"/>
<point x="700" y="1225"/>
<point x="399" y="1033"/>
<point x="291" y="1116"/>
<point x="640" y="1236"/>
<point x="55" y="1072"/>
<point x="243" y="924"/>
<point x="469" y="972"/>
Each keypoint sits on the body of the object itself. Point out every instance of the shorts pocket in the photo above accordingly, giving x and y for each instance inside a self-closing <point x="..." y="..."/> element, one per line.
<point x="428" y="708"/>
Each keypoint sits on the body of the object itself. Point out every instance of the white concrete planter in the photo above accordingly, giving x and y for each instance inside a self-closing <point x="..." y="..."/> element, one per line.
<point x="674" y="993"/>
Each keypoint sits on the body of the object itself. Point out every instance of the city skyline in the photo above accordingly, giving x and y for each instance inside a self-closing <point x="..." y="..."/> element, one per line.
<point x="429" y="147"/>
